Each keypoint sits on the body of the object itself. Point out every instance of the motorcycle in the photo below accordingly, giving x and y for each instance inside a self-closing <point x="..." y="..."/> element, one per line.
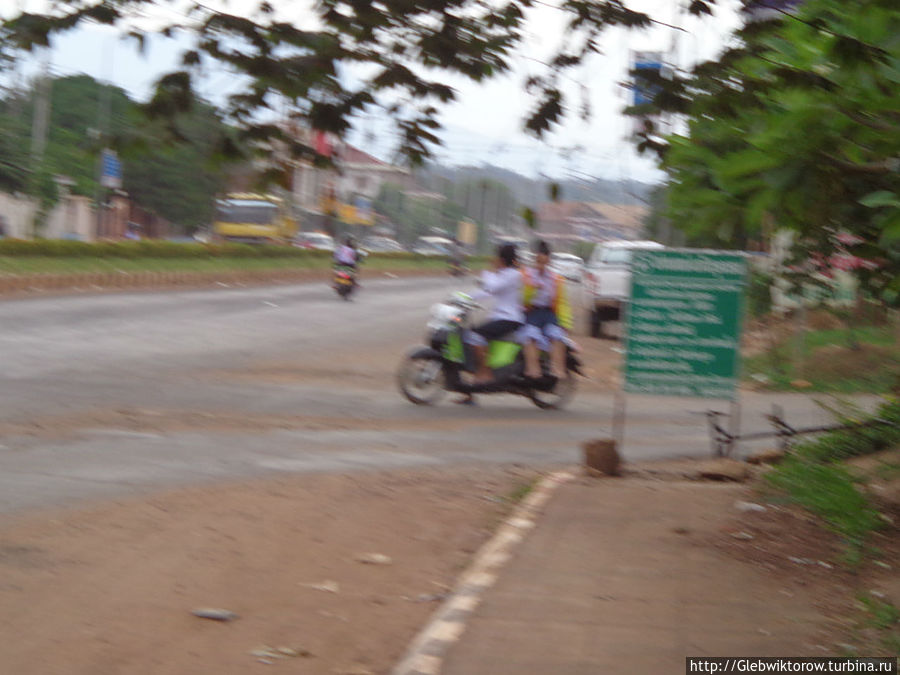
<point x="343" y="280"/>
<point x="447" y="363"/>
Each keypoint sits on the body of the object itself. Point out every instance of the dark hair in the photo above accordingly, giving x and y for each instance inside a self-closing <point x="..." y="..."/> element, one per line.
<point x="507" y="253"/>
<point x="542" y="247"/>
<point x="348" y="241"/>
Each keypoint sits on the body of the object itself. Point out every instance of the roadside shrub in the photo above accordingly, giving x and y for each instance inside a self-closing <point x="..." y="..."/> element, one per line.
<point x="149" y="248"/>
<point x="829" y="491"/>
<point x="813" y="477"/>
<point x="44" y="247"/>
<point x="400" y="255"/>
<point x="158" y="248"/>
<point x="759" y="294"/>
<point x="846" y="443"/>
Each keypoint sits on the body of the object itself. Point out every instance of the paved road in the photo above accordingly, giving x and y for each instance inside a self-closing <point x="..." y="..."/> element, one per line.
<point x="111" y="395"/>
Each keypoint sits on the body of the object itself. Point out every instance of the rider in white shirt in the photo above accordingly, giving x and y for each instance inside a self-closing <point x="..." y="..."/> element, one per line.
<point x="504" y="287"/>
<point x="345" y="254"/>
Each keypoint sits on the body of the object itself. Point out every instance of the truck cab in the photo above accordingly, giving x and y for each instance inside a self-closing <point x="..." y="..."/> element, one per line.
<point x="607" y="281"/>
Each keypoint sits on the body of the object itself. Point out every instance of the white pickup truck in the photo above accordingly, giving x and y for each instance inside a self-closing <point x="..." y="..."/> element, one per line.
<point x="607" y="281"/>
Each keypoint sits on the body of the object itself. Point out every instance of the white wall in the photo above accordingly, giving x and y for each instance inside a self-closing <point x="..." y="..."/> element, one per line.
<point x="71" y="217"/>
<point x="17" y="214"/>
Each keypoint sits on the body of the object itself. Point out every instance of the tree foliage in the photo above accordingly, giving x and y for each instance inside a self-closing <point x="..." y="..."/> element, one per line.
<point x="797" y="127"/>
<point x="177" y="180"/>
<point x="401" y="53"/>
<point x="415" y="216"/>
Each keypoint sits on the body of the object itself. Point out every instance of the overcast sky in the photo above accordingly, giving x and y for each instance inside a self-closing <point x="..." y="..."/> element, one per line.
<point x="484" y="124"/>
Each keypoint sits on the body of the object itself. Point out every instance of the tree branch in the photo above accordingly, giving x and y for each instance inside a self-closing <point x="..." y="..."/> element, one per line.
<point x="649" y="18"/>
<point x="889" y="165"/>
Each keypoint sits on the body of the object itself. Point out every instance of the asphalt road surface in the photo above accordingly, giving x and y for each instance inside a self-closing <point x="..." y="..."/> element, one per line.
<point x="119" y="394"/>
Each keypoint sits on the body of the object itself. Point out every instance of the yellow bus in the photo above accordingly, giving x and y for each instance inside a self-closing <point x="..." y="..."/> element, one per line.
<point x="253" y="219"/>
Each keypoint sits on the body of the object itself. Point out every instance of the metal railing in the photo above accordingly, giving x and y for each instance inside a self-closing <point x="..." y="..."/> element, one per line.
<point x="723" y="441"/>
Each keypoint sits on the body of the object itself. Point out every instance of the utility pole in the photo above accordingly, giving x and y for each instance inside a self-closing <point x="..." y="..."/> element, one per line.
<point x="104" y="104"/>
<point x="40" y="125"/>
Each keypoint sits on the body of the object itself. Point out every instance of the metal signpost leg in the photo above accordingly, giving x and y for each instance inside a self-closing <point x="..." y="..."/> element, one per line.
<point x="734" y="424"/>
<point x="620" y="411"/>
<point x="619" y="416"/>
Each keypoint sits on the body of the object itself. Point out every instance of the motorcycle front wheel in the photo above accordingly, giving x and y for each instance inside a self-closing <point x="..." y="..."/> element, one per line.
<point x="421" y="380"/>
<point x="559" y="396"/>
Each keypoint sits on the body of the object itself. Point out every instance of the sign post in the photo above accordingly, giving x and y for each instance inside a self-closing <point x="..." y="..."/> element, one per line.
<point x="684" y="324"/>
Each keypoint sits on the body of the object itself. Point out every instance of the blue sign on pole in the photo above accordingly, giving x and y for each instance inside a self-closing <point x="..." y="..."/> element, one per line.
<point x="110" y="169"/>
<point x="649" y="62"/>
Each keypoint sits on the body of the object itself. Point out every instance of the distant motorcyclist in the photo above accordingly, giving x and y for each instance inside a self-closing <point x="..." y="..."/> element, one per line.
<point x="455" y="258"/>
<point x="547" y="314"/>
<point x="346" y="254"/>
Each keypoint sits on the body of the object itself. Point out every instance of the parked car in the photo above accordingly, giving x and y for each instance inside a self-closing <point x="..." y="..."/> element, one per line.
<point x="381" y="245"/>
<point x="607" y="281"/>
<point x="432" y="246"/>
<point x="567" y="265"/>
<point x="318" y="241"/>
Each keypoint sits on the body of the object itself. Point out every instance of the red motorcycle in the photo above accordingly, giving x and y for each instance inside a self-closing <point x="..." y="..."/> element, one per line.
<point x="343" y="280"/>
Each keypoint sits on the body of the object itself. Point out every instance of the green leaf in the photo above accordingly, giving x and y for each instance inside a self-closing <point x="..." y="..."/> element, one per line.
<point x="880" y="198"/>
<point x="890" y="235"/>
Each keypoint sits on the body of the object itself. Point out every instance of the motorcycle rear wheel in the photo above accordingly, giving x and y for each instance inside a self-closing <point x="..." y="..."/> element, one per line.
<point x="421" y="380"/>
<point x="560" y="396"/>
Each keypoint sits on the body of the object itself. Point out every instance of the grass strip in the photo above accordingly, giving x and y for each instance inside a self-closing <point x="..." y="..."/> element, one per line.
<point x="44" y="265"/>
<point x="829" y="364"/>
<point x="813" y="476"/>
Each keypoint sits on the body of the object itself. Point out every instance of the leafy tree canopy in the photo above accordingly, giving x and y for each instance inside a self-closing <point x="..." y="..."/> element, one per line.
<point x="799" y="127"/>
<point x="406" y="48"/>
<point x="178" y="180"/>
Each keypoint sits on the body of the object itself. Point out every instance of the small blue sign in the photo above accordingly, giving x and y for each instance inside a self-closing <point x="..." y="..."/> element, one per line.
<point x="110" y="169"/>
<point x="644" y="92"/>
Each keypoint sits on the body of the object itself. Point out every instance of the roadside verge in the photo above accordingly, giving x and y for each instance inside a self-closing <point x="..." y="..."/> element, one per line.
<point x="98" y="282"/>
<point x="446" y="626"/>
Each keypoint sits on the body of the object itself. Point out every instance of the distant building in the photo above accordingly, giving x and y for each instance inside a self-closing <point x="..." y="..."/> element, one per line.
<point x="363" y="175"/>
<point x="350" y="186"/>
<point x="566" y="223"/>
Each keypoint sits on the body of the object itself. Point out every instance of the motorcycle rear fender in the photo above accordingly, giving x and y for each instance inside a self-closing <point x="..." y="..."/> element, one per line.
<point x="573" y="363"/>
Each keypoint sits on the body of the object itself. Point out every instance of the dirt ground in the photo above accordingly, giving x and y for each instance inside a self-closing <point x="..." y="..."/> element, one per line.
<point x="797" y="549"/>
<point x="110" y="588"/>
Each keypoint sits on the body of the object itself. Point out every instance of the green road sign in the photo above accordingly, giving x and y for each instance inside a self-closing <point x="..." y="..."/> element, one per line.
<point x="684" y="323"/>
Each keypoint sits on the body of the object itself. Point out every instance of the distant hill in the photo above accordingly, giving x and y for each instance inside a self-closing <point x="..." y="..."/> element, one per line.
<point x="531" y="192"/>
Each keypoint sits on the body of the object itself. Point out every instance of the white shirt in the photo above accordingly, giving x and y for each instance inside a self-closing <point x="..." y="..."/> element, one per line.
<point x="504" y="287"/>
<point x="345" y="255"/>
<point x="545" y="288"/>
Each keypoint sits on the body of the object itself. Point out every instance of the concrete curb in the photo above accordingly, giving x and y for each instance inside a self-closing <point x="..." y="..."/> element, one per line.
<point x="426" y="652"/>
